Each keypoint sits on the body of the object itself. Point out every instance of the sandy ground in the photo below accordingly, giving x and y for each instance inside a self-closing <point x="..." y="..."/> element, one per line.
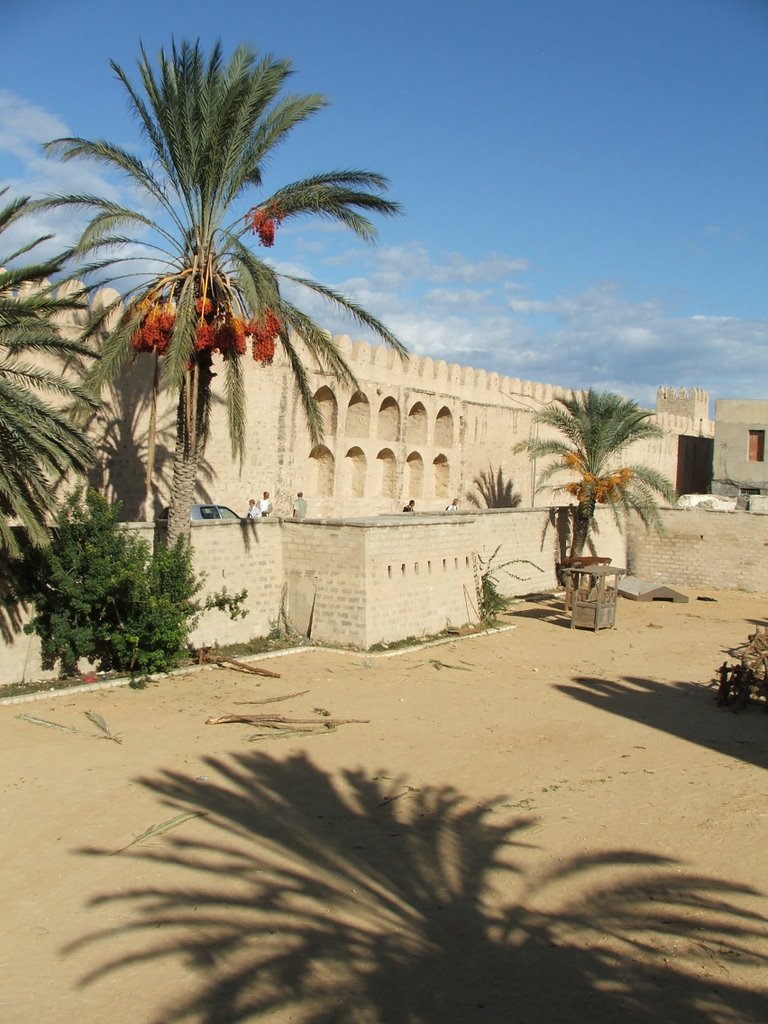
<point x="535" y="826"/>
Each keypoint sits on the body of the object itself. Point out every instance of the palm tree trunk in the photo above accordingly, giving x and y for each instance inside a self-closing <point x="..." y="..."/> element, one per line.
<point x="191" y="428"/>
<point x="583" y="515"/>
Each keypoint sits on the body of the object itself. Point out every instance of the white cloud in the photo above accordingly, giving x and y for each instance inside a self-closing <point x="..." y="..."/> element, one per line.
<point x="599" y="337"/>
<point x="484" y="311"/>
<point x="24" y="128"/>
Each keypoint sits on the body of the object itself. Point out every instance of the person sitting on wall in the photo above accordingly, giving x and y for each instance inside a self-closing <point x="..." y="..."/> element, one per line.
<point x="410" y="507"/>
<point x="300" y="506"/>
<point x="454" y="506"/>
<point x="254" y="512"/>
<point x="265" y="505"/>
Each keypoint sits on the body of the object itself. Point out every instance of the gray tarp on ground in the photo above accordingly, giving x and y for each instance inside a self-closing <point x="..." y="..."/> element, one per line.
<point x="643" y="590"/>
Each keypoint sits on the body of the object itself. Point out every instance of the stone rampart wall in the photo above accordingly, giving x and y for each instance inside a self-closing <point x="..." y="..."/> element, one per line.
<point x="325" y="576"/>
<point x="415" y="428"/>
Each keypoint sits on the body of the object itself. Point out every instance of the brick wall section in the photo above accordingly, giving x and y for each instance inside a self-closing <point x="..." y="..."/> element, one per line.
<point x="531" y="535"/>
<point x="325" y="581"/>
<point x="717" y="550"/>
<point x="420" y="576"/>
<point x="239" y="556"/>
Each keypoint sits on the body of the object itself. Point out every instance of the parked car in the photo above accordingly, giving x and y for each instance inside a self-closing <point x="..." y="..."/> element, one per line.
<point x="199" y="513"/>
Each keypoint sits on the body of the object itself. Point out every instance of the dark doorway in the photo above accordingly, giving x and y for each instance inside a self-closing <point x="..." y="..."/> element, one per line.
<point x="694" y="465"/>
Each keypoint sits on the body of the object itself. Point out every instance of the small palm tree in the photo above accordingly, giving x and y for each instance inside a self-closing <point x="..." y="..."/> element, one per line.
<point x="597" y="428"/>
<point x="38" y="441"/>
<point x="494" y="490"/>
<point x="210" y="127"/>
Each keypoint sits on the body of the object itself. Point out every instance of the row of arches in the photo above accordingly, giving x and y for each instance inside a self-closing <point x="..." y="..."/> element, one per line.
<point x="388" y="419"/>
<point x="358" y="479"/>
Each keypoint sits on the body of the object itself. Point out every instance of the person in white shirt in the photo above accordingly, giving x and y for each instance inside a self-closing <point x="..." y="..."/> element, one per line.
<point x="454" y="506"/>
<point x="265" y="505"/>
<point x="300" y="506"/>
<point x="254" y="512"/>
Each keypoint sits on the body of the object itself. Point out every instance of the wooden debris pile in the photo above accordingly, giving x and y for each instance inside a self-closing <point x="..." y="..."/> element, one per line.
<point x="207" y="656"/>
<point x="746" y="682"/>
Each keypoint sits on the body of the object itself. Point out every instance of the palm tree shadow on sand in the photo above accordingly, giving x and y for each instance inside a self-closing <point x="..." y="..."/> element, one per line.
<point x="353" y="899"/>
<point x="682" y="709"/>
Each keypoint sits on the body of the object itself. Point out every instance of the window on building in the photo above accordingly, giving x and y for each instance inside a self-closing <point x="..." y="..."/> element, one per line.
<point x="756" y="452"/>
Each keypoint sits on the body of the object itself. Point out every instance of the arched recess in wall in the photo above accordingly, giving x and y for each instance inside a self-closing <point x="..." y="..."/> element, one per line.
<point x="416" y="430"/>
<point x="358" y="416"/>
<point x="355" y="469"/>
<point x="442" y="474"/>
<point x="444" y="428"/>
<point x="415" y="475"/>
<point x="389" y="420"/>
<point x="387" y="473"/>
<point x="329" y="409"/>
<point x="322" y="460"/>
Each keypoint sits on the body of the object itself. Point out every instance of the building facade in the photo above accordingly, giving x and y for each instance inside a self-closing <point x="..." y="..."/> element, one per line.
<point x="739" y="465"/>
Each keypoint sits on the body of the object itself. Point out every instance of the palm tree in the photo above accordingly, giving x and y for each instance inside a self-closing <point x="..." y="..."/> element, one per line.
<point x="494" y="490"/>
<point x="38" y="442"/>
<point x="210" y="127"/>
<point x="597" y="428"/>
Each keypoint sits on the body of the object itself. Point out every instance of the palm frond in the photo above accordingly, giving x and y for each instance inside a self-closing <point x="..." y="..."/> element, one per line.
<point x="38" y="440"/>
<point x="597" y="428"/>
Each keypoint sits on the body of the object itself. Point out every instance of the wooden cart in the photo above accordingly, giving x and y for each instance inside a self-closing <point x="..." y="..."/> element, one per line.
<point x="593" y="591"/>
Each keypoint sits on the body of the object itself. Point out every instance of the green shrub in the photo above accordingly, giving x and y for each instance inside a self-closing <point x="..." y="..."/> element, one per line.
<point x="490" y="602"/>
<point x="101" y="594"/>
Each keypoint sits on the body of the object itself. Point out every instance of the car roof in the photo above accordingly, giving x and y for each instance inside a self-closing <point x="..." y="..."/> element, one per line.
<point x="213" y="511"/>
<point x="207" y="512"/>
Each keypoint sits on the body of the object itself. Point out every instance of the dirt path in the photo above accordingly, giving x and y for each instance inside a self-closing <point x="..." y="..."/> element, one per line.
<point x="543" y="825"/>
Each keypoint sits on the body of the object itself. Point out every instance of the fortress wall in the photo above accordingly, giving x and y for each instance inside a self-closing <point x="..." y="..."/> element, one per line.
<point x="531" y="535"/>
<point x="688" y="403"/>
<point x="20" y="657"/>
<point x="418" y="428"/>
<point x="420" y="576"/>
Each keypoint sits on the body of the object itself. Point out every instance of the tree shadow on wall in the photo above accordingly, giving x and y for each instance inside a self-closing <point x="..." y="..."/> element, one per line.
<point x="13" y="609"/>
<point x="493" y="490"/>
<point x="121" y="433"/>
<point x="358" y="899"/>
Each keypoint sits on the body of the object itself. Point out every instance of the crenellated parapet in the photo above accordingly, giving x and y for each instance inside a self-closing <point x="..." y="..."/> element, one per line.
<point x="673" y="424"/>
<point x="689" y="403"/>
<point x="467" y="383"/>
<point x="678" y="410"/>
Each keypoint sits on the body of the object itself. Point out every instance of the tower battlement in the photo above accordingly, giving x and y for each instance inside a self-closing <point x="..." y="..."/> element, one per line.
<point x="690" y="403"/>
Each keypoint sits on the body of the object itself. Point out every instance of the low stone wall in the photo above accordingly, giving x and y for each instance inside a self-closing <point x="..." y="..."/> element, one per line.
<point x="380" y="579"/>
<point x="239" y="556"/>
<point x="703" y="548"/>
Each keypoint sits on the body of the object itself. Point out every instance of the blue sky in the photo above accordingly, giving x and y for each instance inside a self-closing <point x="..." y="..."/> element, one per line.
<point x="585" y="182"/>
